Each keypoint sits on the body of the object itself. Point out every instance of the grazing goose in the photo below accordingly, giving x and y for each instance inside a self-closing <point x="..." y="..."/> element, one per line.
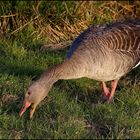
<point x="104" y="53"/>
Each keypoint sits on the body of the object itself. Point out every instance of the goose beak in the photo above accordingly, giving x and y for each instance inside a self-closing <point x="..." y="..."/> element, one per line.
<point x="26" y="105"/>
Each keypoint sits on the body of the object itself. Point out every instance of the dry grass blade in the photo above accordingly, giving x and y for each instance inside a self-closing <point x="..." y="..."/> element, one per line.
<point x="7" y="16"/>
<point x="20" y="28"/>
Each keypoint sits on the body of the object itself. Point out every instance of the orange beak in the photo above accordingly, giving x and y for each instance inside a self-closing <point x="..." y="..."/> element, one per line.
<point x="26" y="105"/>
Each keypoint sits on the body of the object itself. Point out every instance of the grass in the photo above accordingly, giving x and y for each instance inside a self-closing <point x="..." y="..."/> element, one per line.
<point x="73" y="109"/>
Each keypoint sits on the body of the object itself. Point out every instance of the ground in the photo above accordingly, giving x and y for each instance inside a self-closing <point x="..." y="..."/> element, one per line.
<point x="73" y="108"/>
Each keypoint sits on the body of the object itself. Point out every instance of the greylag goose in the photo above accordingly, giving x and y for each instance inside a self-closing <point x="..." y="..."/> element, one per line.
<point x="103" y="53"/>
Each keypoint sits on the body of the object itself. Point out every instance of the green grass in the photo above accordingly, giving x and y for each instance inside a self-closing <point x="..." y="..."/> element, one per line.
<point x="73" y="108"/>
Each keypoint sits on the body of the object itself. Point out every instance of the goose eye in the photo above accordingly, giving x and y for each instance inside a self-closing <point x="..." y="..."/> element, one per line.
<point x="29" y="93"/>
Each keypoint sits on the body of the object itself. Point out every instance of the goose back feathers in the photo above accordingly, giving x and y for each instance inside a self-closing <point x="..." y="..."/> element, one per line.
<point x="110" y="50"/>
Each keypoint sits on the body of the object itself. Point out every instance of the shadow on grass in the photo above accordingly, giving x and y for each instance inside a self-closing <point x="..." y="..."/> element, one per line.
<point x="88" y="100"/>
<point x="19" y="71"/>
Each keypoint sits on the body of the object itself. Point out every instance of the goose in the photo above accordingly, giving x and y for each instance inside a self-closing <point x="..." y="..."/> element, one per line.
<point x="103" y="52"/>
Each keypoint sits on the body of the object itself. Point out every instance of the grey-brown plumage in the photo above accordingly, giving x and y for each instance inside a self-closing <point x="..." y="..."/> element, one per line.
<point x="104" y="53"/>
<point x="110" y="51"/>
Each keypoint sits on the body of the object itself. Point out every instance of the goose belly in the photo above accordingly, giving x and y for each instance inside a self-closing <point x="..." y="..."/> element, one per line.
<point x="104" y="75"/>
<point x="110" y="68"/>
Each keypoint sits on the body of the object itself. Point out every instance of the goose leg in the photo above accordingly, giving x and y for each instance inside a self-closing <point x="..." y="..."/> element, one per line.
<point x="105" y="92"/>
<point x="113" y="88"/>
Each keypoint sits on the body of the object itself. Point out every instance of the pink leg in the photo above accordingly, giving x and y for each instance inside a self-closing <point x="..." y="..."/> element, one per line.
<point x="105" y="92"/>
<point x="113" y="88"/>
